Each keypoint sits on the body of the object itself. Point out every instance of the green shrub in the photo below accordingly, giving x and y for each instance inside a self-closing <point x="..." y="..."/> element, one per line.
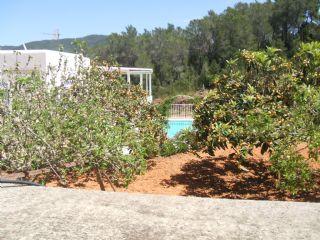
<point x="292" y="170"/>
<point x="164" y="107"/>
<point x="307" y="61"/>
<point x="264" y="100"/>
<point x="184" y="141"/>
<point x="168" y="148"/>
<point x="99" y="121"/>
<point x="187" y="140"/>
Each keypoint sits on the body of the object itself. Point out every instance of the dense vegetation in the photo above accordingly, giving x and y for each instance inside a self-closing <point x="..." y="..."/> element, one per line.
<point x="184" y="60"/>
<point x="266" y="96"/>
<point x="95" y="120"/>
<point x="263" y="99"/>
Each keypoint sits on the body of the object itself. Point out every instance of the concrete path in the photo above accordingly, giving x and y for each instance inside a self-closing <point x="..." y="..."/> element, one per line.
<point x="56" y="213"/>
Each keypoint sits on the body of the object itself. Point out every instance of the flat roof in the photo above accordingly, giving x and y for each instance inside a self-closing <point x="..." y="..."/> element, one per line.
<point x="131" y="70"/>
<point x="35" y="51"/>
<point x="28" y="51"/>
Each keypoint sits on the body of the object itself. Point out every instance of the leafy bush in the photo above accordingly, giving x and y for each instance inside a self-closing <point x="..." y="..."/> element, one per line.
<point x="265" y="100"/>
<point x="168" y="148"/>
<point x="307" y="61"/>
<point x="164" y="107"/>
<point x="184" y="141"/>
<point x="293" y="171"/>
<point x="98" y="121"/>
<point x="186" y="138"/>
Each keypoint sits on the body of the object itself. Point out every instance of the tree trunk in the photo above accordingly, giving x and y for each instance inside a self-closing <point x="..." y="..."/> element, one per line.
<point x="99" y="178"/>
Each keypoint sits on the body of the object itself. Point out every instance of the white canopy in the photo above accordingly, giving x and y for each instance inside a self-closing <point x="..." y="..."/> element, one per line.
<point x="145" y="75"/>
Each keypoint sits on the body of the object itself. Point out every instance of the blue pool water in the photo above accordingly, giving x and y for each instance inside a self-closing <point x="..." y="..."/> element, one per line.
<point x="176" y="125"/>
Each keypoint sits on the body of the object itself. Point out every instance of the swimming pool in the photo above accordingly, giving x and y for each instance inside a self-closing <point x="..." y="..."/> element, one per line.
<point x="176" y="125"/>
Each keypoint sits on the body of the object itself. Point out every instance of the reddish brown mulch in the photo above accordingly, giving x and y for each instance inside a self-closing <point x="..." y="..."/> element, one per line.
<point x="205" y="176"/>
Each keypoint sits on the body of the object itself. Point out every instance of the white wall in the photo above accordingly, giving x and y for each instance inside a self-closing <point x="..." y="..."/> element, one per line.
<point x="52" y="64"/>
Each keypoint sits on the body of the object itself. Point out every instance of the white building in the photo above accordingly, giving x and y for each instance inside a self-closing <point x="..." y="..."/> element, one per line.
<point x="55" y="64"/>
<point x="52" y="64"/>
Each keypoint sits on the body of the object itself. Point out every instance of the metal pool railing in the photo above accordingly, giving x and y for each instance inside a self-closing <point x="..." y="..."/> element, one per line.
<point x="181" y="111"/>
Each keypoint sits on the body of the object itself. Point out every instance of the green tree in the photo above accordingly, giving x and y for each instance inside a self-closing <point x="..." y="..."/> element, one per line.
<point x="121" y="48"/>
<point x="99" y="122"/>
<point x="169" y="54"/>
<point x="184" y="59"/>
<point x="295" y="20"/>
<point x="264" y="100"/>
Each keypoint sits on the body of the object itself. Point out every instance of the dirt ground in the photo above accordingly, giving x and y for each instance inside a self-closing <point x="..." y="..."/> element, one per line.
<point x="202" y="175"/>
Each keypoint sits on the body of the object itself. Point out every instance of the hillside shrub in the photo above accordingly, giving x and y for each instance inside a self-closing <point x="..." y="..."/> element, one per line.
<point x="265" y="100"/>
<point x="93" y="118"/>
<point x="184" y="141"/>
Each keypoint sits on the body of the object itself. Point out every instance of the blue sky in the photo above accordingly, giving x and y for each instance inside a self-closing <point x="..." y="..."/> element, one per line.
<point x="27" y="20"/>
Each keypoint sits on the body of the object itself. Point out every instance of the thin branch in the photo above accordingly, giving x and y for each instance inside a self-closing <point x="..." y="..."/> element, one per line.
<point x="110" y="182"/>
<point x="99" y="178"/>
<point x="48" y="145"/>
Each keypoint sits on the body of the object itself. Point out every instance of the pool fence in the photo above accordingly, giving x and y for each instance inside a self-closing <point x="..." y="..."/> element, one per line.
<point x="181" y="111"/>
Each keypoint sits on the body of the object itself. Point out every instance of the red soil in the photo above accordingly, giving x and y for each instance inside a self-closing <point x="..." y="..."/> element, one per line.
<point x="205" y="176"/>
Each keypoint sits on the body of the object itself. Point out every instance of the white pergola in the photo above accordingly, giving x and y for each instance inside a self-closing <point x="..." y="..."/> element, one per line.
<point x="145" y="77"/>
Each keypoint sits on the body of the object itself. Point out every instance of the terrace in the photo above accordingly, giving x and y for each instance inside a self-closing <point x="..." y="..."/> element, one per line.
<point x="57" y="213"/>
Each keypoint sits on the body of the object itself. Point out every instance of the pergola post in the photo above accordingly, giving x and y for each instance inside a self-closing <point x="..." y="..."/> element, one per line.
<point x="150" y="88"/>
<point x="147" y="83"/>
<point x="128" y="77"/>
<point x="141" y="80"/>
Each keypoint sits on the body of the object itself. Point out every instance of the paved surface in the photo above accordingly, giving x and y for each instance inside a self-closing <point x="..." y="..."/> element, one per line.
<point x="56" y="213"/>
